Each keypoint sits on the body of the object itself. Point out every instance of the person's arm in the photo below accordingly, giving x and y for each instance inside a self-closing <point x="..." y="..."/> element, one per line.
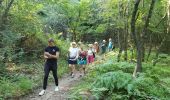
<point x="46" y="55"/>
<point x="56" y="56"/>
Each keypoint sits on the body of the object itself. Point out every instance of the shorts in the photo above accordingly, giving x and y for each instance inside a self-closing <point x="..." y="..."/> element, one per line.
<point x="82" y="62"/>
<point x="72" y="61"/>
<point x="90" y="59"/>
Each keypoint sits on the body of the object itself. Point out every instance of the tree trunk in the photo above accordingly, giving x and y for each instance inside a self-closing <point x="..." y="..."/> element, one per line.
<point x="126" y="40"/>
<point x="1" y="3"/>
<point x="144" y="33"/>
<point x="150" y="48"/>
<point x="119" y="34"/>
<point x="132" y="54"/>
<point x="74" y="35"/>
<point x="168" y="22"/>
<point x="120" y="46"/>
<point x="5" y="14"/>
<point x="138" y="68"/>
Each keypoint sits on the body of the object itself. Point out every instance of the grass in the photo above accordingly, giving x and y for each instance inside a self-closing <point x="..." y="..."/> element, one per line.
<point x="25" y="78"/>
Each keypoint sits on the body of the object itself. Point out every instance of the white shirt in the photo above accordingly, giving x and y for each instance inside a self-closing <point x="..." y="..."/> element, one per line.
<point x="73" y="52"/>
<point x="89" y="52"/>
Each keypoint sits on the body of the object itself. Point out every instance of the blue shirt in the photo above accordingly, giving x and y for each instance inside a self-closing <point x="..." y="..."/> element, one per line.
<point x="110" y="45"/>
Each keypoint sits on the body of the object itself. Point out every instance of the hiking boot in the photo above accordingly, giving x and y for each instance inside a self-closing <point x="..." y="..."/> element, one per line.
<point x="56" y="89"/>
<point x="42" y="93"/>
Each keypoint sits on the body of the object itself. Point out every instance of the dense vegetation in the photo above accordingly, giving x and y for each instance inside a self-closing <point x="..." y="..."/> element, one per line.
<point x="140" y="30"/>
<point x="112" y="80"/>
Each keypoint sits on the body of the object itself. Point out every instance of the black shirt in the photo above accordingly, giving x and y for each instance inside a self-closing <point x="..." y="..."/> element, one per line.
<point x="52" y="50"/>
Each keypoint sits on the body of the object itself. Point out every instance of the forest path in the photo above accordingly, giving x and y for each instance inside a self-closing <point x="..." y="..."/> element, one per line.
<point x="65" y="84"/>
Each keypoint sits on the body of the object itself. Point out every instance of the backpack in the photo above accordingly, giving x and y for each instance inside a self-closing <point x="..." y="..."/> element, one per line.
<point x="94" y="55"/>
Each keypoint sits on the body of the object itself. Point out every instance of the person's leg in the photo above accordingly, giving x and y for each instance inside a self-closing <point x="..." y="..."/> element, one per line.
<point x="81" y="70"/>
<point x="46" y="71"/>
<point x="73" y="70"/>
<point x="92" y="59"/>
<point x="70" y="68"/>
<point x="88" y="59"/>
<point x="54" y="70"/>
<point x="84" y="66"/>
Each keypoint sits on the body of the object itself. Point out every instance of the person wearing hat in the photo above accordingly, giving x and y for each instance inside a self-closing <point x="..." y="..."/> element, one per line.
<point x="51" y="54"/>
<point x="96" y="47"/>
<point x="72" y="58"/>
<point x="103" y="47"/>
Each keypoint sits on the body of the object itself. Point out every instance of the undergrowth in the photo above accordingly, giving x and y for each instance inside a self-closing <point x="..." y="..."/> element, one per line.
<point x="111" y="80"/>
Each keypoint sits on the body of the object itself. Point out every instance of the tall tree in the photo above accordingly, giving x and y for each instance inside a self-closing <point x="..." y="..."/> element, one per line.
<point x="138" y="68"/>
<point x="5" y="14"/>
<point x="144" y="33"/>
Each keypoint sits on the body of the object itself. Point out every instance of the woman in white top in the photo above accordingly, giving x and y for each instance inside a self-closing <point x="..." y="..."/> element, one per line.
<point x="90" y="54"/>
<point x="72" y="59"/>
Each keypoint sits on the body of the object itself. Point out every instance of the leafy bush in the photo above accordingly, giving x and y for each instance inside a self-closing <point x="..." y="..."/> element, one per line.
<point x="18" y="88"/>
<point x="113" y="80"/>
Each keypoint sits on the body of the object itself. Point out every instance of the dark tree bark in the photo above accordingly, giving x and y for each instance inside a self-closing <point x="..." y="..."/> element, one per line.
<point x="144" y="33"/>
<point x="1" y="2"/>
<point x="120" y="37"/>
<point x="120" y="45"/>
<point x="138" y="68"/>
<point x="5" y="14"/>
<point x="125" y="42"/>
<point x="150" y="48"/>
<point x="126" y="32"/>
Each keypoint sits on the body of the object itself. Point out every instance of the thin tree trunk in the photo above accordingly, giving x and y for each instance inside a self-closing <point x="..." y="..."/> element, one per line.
<point x="5" y="14"/>
<point x="132" y="54"/>
<point x="120" y="46"/>
<point x="126" y="41"/>
<point x="144" y="33"/>
<point x="150" y="48"/>
<point x="138" y="68"/>
<point x="1" y="2"/>
<point x="74" y="35"/>
<point x="119" y="34"/>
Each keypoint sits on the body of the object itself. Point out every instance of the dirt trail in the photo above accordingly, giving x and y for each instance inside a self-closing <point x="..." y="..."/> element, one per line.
<point x="65" y="84"/>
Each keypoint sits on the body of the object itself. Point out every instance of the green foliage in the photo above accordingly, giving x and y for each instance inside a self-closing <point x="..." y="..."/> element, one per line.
<point x="18" y="88"/>
<point x="111" y="80"/>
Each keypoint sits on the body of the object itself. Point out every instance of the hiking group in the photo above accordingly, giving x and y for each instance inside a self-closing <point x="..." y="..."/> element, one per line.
<point x="78" y="54"/>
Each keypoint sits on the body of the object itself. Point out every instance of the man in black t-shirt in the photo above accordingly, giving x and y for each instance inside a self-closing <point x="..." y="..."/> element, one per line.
<point x="51" y="54"/>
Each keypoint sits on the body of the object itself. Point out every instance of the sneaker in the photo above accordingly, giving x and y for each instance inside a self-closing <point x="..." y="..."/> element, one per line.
<point x="72" y="76"/>
<point x="42" y="93"/>
<point x="56" y="89"/>
<point x="80" y="75"/>
<point x="71" y="73"/>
